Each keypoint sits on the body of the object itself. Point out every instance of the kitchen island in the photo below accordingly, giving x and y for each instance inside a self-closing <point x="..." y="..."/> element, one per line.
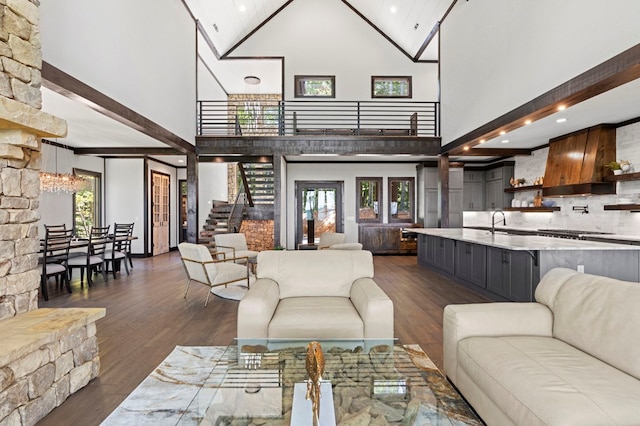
<point x="504" y="266"/>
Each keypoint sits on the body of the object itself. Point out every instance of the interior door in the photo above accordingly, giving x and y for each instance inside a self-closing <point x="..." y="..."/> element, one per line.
<point x="318" y="210"/>
<point x="160" y="209"/>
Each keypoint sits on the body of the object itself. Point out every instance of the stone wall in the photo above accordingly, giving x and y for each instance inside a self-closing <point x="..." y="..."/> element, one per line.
<point x="47" y="355"/>
<point x="20" y="160"/>
<point x="259" y="234"/>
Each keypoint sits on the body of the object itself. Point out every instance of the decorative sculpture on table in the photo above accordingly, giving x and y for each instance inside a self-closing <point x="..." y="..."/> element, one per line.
<point x="315" y="369"/>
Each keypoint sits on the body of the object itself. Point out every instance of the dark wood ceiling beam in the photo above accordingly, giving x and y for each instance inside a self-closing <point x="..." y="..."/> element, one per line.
<point x="491" y="152"/>
<point x="72" y="88"/>
<point x="292" y="145"/>
<point x="126" y="151"/>
<point x="619" y="70"/>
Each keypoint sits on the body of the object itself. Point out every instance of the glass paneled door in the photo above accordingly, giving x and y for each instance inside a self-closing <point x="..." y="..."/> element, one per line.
<point x="160" y="212"/>
<point x="318" y="210"/>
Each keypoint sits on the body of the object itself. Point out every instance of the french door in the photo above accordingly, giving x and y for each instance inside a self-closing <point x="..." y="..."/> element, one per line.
<point x="160" y="212"/>
<point x="318" y="209"/>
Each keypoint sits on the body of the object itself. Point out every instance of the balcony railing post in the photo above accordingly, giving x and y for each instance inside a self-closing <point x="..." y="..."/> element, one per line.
<point x="358" y="117"/>
<point x="281" y="123"/>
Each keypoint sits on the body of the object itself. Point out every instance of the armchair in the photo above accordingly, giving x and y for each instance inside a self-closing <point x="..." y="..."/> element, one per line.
<point x="201" y="267"/>
<point x="323" y="294"/>
<point x="233" y="245"/>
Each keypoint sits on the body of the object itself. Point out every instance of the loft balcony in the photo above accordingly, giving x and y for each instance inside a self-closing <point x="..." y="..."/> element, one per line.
<point x="259" y="127"/>
<point x="258" y="117"/>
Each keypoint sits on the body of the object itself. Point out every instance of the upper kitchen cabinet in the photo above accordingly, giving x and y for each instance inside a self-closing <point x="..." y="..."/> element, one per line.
<point x="473" y="190"/>
<point x="497" y="179"/>
<point x="428" y="197"/>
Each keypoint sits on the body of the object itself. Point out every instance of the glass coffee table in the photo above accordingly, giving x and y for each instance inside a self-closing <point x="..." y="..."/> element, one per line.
<point x="253" y="384"/>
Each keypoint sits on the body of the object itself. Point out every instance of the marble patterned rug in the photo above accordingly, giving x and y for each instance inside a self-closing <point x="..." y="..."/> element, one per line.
<point x="170" y="394"/>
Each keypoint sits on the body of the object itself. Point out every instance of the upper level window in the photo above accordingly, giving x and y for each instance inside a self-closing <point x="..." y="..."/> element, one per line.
<point x="390" y="87"/>
<point x="315" y="86"/>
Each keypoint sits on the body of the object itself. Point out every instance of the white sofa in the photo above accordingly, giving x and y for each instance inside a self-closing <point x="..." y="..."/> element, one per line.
<point x="325" y="294"/>
<point x="572" y="358"/>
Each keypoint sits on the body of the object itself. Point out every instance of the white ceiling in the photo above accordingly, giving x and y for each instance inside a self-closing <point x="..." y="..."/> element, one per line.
<point x="90" y="129"/>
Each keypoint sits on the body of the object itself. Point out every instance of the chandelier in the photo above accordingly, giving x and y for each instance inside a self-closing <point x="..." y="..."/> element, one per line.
<point x="60" y="182"/>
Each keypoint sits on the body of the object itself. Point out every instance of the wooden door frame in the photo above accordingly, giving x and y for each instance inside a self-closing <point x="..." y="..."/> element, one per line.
<point x="299" y="184"/>
<point x="150" y="216"/>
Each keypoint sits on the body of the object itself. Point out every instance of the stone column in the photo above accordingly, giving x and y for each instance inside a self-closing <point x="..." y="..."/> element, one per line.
<point x="22" y="124"/>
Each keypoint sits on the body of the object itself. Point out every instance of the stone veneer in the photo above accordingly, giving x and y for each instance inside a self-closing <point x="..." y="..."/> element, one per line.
<point x="45" y="354"/>
<point x="259" y="234"/>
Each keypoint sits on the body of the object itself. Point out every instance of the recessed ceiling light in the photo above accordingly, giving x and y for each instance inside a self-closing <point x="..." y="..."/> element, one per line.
<point x="562" y="108"/>
<point x="526" y="123"/>
<point x="561" y="120"/>
<point x="505" y="141"/>
<point x="242" y="8"/>
<point x="180" y="161"/>
<point x="393" y="9"/>
<point x="466" y="148"/>
<point x="502" y="133"/>
<point x="482" y="141"/>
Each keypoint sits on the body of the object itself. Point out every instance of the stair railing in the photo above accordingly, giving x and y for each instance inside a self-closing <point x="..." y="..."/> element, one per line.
<point x="245" y="184"/>
<point x="237" y="211"/>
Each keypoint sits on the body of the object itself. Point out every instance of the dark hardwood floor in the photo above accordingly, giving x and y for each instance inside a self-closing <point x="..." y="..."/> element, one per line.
<point x="147" y="317"/>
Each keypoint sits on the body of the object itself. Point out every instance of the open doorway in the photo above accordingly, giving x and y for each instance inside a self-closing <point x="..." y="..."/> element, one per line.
<point x="318" y="209"/>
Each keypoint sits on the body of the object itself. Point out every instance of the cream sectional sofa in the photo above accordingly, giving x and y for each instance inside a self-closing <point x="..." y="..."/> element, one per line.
<point x="325" y="294"/>
<point x="572" y="358"/>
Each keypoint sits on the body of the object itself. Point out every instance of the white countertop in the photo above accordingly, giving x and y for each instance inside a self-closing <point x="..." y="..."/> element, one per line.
<point x="520" y="242"/>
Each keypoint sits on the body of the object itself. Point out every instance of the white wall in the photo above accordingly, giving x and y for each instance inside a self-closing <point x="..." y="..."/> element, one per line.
<point x="124" y="196"/>
<point x="140" y="53"/>
<point x="212" y="185"/>
<point x="617" y="222"/>
<point x="499" y="54"/>
<point x="326" y="38"/>
<point x="339" y="172"/>
<point x="208" y="87"/>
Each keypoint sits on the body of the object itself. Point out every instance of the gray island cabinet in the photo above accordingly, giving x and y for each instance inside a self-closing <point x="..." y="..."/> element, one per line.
<point x="508" y="267"/>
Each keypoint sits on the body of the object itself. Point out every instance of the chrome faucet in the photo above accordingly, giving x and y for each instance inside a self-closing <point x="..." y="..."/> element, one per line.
<point x="493" y="221"/>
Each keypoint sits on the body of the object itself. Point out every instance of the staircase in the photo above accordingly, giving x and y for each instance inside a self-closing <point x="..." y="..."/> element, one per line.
<point x="259" y="179"/>
<point x="217" y="223"/>
<point x="260" y="194"/>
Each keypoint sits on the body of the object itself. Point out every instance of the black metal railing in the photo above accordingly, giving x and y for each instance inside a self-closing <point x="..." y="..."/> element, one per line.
<point x="304" y="117"/>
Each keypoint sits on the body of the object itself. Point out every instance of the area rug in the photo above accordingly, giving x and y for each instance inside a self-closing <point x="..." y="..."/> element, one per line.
<point x="185" y="388"/>
<point x="234" y="291"/>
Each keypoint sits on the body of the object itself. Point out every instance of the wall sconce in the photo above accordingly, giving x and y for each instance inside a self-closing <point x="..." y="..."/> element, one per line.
<point x="582" y="209"/>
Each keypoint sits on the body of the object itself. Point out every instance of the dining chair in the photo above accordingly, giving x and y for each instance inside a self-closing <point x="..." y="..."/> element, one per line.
<point x="55" y="257"/>
<point x="94" y="260"/>
<point x="233" y="245"/>
<point x="128" y="248"/>
<point x="203" y="268"/>
<point x="120" y="249"/>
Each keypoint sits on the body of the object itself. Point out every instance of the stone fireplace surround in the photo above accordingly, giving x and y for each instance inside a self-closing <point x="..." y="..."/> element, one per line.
<point x="45" y="354"/>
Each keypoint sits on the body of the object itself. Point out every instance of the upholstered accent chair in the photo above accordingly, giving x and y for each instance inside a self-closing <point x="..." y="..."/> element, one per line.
<point x="309" y="294"/>
<point x="203" y="268"/>
<point x="233" y="245"/>
<point x="327" y="239"/>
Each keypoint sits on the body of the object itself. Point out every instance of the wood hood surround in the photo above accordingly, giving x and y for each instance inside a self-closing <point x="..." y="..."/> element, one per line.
<point x="575" y="164"/>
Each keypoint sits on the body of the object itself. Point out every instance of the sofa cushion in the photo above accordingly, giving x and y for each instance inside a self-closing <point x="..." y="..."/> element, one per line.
<point x="315" y="273"/>
<point x="316" y="318"/>
<point x="542" y="380"/>
<point x="596" y="314"/>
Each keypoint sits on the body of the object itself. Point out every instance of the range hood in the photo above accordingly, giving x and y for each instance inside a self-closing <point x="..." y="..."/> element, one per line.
<point x="575" y="164"/>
